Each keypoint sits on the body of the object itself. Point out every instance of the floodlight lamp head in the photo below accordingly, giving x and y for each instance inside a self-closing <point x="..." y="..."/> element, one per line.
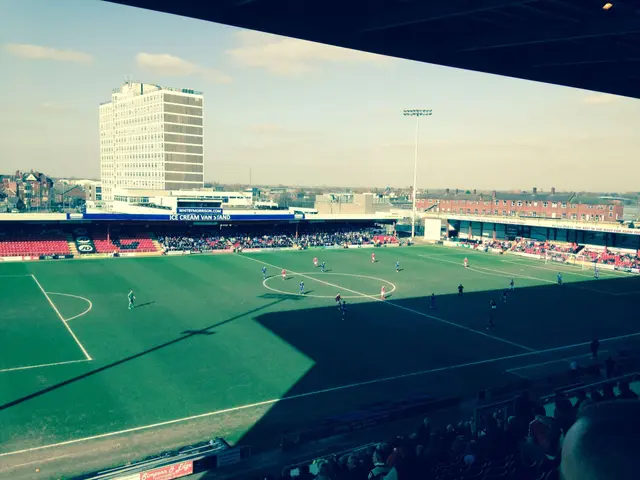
<point x="418" y="112"/>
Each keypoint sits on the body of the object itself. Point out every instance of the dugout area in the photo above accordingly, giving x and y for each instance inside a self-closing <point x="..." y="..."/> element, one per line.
<point x="210" y="351"/>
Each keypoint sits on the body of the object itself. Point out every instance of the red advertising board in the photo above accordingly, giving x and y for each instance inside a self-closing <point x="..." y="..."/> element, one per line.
<point x="169" y="472"/>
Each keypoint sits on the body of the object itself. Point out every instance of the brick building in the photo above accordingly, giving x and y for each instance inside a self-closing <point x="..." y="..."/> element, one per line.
<point x="562" y="205"/>
<point x="35" y="189"/>
<point x="351" y="203"/>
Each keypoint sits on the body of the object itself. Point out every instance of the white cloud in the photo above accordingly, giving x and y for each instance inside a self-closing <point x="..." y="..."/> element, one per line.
<point x="51" y="106"/>
<point x="287" y="56"/>
<point x="172" y="66"/>
<point x="397" y="145"/>
<point x="265" y="128"/>
<point x="599" y="98"/>
<point x="38" y="52"/>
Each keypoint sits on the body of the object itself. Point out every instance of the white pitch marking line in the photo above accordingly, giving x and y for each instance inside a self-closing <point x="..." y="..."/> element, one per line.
<point x="16" y="369"/>
<point x="478" y="268"/>
<point x="86" y="354"/>
<point x="377" y="299"/>
<point x="559" y="265"/>
<point x="519" y="375"/>
<point x="566" y="359"/>
<point x="482" y="270"/>
<point x="264" y="282"/>
<point x="570" y="285"/>
<point x="44" y="460"/>
<point x="75" y="296"/>
<point x="310" y="394"/>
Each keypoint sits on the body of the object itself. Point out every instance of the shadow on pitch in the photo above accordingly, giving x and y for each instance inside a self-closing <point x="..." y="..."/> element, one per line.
<point x="384" y="340"/>
<point x="198" y="332"/>
<point x="145" y="304"/>
<point x="187" y="334"/>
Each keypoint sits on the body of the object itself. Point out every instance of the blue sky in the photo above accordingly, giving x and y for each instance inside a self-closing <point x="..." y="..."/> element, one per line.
<point x="296" y="112"/>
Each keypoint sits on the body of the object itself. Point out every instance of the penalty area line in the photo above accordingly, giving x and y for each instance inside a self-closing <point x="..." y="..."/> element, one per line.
<point x="30" y="367"/>
<point x="75" y="296"/>
<point x="55" y="309"/>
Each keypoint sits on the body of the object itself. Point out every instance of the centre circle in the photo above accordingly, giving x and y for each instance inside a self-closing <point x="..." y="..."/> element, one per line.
<point x="312" y="276"/>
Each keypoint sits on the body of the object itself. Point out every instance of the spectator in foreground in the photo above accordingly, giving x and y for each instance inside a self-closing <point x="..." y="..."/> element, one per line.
<point x="603" y="444"/>
<point x="380" y="469"/>
<point x="625" y="391"/>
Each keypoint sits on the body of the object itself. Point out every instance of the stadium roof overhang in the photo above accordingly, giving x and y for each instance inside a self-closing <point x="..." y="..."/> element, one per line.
<point x="575" y="43"/>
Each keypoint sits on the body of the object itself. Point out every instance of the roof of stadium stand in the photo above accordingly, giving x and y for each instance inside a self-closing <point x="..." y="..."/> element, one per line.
<point x="576" y="43"/>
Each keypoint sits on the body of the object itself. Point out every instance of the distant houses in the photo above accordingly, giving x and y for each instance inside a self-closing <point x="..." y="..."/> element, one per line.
<point x="25" y="191"/>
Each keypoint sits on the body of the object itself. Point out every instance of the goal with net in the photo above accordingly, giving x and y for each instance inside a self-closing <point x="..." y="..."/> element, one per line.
<point x="574" y="259"/>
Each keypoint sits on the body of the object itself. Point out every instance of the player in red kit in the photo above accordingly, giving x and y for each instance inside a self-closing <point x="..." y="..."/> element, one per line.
<point x="373" y="258"/>
<point x="466" y="263"/>
<point x="315" y="262"/>
<point x="383" y="293"/>
<point x="284" y="274"/>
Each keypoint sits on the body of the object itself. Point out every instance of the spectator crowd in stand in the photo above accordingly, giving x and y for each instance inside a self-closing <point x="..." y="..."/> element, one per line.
<point x="523" y="443"/>
<point x="556" y="251"/>
<point x="485" y="245"/>
<point x="206" y="241"/>
<point x="502" y="245"/>
<point x="606" y="257"/>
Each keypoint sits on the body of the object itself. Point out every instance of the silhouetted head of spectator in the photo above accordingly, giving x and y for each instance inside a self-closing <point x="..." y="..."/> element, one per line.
<point x="596" y="396"/>
<point x="378" y="458"/>
<point x="539" y="411"/>
<point x="604" y="443"/>
<point x="607" y="392"/>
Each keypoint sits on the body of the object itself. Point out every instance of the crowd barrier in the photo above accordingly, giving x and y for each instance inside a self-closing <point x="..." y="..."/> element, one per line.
<point x="368" y="417"/>
<point x="186" y="461"/>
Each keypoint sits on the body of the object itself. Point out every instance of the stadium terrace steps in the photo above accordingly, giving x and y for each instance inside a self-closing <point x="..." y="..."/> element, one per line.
<point x="72" y="245"/>
<point x="129" y="243"/>
<point x="155" y="242"/>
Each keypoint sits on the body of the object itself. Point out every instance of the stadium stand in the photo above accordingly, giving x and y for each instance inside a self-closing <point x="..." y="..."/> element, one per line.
<point x="519" y="439"/>
<point x="485" y="245"/>
<point x="559" y="252"/>
<point x="205" y="241"/>
<point x="138" y="243"/>
<point x="555" y="250"/>
<point x="606" y="257"/>
<point x="34" y="244"/>
<point x="500" y="245"/>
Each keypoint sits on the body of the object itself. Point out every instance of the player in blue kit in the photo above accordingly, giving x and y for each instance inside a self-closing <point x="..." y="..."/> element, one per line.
<point x="264" y="273"/>
<point x="323" y="266"/>
<point x="492" y="314"/>
<point x="397" y="266"/>
<point x="433" y="301"/>
<point x="343" y="309"/>
<point x="131" y="298"/>
<point x="301" y="288"/>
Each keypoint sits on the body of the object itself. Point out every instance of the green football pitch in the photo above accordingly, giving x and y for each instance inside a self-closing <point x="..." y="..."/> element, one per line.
<point x="213" y="350"/>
